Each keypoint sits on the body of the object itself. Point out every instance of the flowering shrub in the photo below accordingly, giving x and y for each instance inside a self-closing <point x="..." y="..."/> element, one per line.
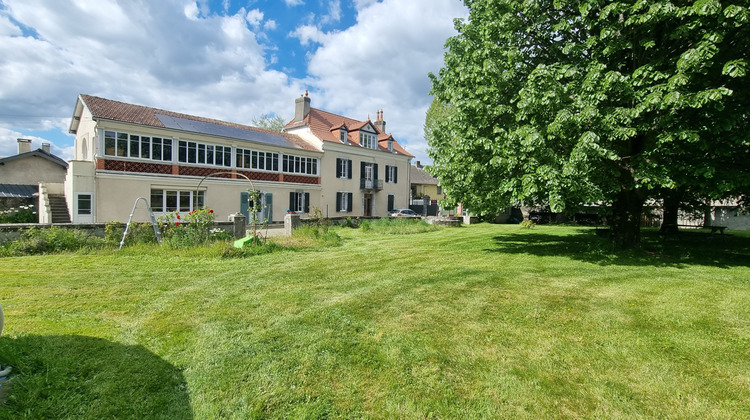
<point x="20" y="214"/>
<point x="191" y="229"/>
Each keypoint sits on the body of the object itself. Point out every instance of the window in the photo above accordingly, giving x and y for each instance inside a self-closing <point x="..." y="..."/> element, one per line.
<point x="84" y="204"/>
<point x="253" y="159"/>
<point x="343" y="168"/>
<point x="390" y="145"/>
<point x="136" y="146"/>
<point x="343" y="135"/>
<point x="344" y="202"/>
<point x="391" y="174"/>
<point x="368" y="140"/>
<point x="439" y="189"/>
<point x="164" y="201"/>
<point x="299" y="165"/>
<point x="369" y="171"/>
<point x="299" y="202"/>
<point x="204" y="154"/>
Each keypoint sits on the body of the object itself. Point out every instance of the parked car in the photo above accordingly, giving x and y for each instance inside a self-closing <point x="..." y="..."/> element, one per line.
<point x="402" y="213"/>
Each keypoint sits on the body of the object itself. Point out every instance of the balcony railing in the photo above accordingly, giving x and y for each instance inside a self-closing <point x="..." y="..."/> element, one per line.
<point x="370" y="184"/>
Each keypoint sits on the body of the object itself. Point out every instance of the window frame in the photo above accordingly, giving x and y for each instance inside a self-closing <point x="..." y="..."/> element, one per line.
<point x="195" y="200"/>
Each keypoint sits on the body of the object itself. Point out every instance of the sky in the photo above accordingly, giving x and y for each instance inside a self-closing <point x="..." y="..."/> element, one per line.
<point x="226" y="59"/>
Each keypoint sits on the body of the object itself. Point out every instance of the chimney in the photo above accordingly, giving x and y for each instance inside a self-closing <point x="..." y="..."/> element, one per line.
<point x="45" y="148"/>
<point x="301" y="107"/>
<point x="380" y="122"/>
<point x="418" y="164"/>
<point x="24" y="146"/>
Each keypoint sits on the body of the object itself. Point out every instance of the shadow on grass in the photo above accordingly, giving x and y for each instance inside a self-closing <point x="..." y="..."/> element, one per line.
<point x="685" y="248"/>
<point x="72" y="376"/>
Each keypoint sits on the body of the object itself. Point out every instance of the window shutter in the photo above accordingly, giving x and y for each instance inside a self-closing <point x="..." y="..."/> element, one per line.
<point x="391" y="198"/>
<point x="395" y="174"/>
<point x="338" y="201"/>
<point x="338" y="167"/>
<point x="375" y="171"/>
<point x="362" y="170"/>
<point x="244" y="205"/>
<point x="387" y="173"/>
<point x="349" y="165"/>
<point x="292" y="201"/>
<point x="307" y="202"/>
<point x="269" y="207"/>
<point x="349" y="203"/>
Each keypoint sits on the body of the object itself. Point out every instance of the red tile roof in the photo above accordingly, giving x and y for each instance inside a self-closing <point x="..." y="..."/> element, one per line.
<point x="108" y="109"/>
<point x="322" y="124"/>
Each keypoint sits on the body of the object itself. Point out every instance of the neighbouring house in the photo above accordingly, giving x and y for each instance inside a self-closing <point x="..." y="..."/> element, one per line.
<point x="364" y="170"/>
<point x="34" y="177"/>
<point x="181" y="162"/>
<point x="424" y="184"/>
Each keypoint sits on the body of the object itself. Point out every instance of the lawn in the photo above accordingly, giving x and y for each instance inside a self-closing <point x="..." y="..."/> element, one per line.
<point x="485" y="321"/>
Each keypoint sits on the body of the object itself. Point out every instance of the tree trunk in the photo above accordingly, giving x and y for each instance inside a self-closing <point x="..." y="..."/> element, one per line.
<point x="670" y="212"/>
<point x="626" y="218"/>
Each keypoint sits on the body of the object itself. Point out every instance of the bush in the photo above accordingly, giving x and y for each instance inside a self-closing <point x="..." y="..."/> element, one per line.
<point x="54" y="239"/>
<point x="138" y="233"/>
<point x="397" y="226"/>
<point x="528" y="224"/>
<point x="20" y="214"/>
<point x="191" y="230"/>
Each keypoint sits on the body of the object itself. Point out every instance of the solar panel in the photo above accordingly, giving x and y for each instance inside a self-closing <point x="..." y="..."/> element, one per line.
<point x="214" y="129"/>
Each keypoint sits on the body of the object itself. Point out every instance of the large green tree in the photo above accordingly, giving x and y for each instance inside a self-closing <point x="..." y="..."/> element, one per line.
<point x="567" y="102"/>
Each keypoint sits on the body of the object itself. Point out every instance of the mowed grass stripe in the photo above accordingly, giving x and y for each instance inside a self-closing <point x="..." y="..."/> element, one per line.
<point x="453" y="323"/>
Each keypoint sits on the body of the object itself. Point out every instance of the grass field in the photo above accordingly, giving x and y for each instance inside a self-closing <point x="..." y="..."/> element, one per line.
<point x="486" y="321"/>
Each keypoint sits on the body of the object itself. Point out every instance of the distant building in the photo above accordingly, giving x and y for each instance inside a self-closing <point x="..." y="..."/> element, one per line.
<point x="22" y="175"/>
<point x="422" y="183"/>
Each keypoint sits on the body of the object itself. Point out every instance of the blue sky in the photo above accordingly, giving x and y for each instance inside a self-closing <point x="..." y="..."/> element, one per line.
<point x="226" y="59"/>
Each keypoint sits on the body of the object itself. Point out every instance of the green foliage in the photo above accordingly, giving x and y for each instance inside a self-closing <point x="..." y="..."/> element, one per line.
<point x="528" y="224"/>
<point x="53" y="239"/>
<point x="138" y="233"/>
<point x="562" y="103"/>
<point x="21" y="214"/>
<point x="268" y="122"/>
<point x="257" y="248"/>
<point x="192" y="229"/>
<point x="318" y="234"/>
<point x="397" y="226"/>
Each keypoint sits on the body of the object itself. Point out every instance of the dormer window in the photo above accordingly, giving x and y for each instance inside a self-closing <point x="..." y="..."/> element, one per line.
<point x="343" y="135"/>
<point x="368" y="140"/>
<point x="390" y="145"/>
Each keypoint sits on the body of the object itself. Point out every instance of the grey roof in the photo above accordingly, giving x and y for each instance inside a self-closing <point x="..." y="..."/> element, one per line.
<point x="213" y="129"/>
<point x="38" y="152"/>
<point x="17" y="190"/>
<point x="421" y="177"/>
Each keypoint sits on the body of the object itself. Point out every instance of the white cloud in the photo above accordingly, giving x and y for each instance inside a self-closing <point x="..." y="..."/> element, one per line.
<point x="255" y="17"/>
<point x="383" y="62"/>
<point x="182" y="56"/>
<point x="270" y="25"/>
<point x="148" y="53"/>
<point x="334" y="13"/>
<point x="309" y="33"/>
<point x="191" y="11"/>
